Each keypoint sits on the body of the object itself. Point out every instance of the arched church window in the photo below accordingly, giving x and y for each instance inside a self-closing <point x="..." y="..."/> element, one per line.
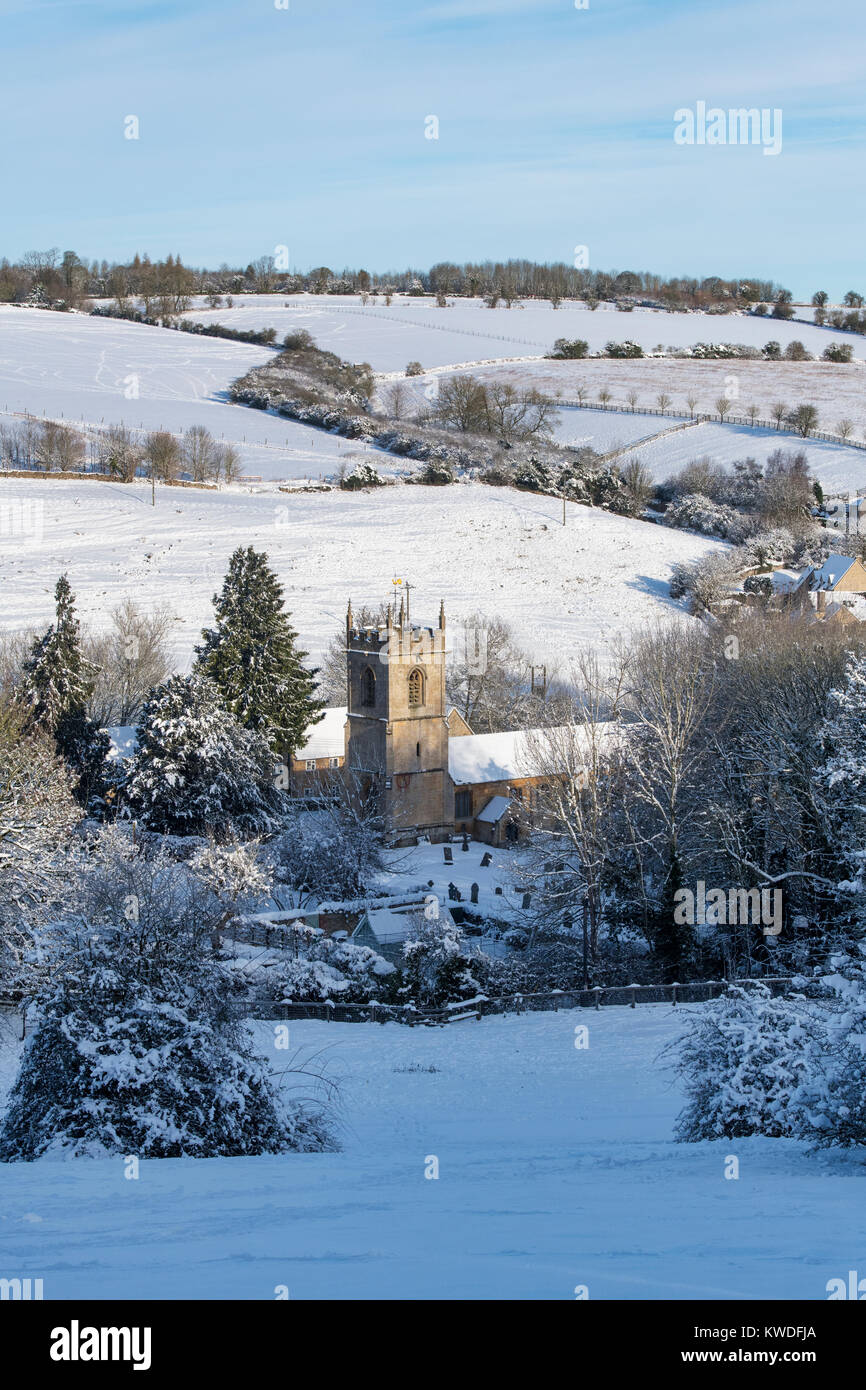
<point x="416" y="688"/>
<point x="369" y="691"/>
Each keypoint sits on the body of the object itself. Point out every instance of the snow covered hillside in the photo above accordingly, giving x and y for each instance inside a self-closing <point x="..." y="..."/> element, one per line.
<point x="557" y="1168"/>
<point x="97" y="371"/>
<point x="389" y="336"/>
<point x="494" y="549"/>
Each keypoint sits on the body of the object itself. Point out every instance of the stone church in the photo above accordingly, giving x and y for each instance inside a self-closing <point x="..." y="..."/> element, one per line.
<point x="397" y="739"/>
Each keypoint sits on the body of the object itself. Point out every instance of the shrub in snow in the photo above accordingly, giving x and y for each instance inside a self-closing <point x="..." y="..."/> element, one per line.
<point x="833" y="1093"/>
<point x="414" y="369"/>
<point x="332" y="967"/>
<point x="362" y="475"/>
<point x="697" y="513"/>
<point x="838" y="352"/>
<point x="625" y="349"/>
<point x="437" y="968"/>
<point x="532" y="476"/>
<point x="742" y="1060"/>
<point x="329" y="854"/>
<point x="569" y="348"/>
<point x="196" y="770"/>
<point x="595" y="486"/>
<point x="136" y="1049"/>
<point x="769" y="547"/>
<point x="704" y="582"/>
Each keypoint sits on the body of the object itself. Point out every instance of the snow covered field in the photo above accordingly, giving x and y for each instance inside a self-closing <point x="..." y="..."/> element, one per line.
<point x="505" y="552"/>
<point x="102" y="372"/>
<point x="557" y="1168"/>
<point x="389" y="336"/>
<point x="105" y="371"/>
<point x="835" y="467"/>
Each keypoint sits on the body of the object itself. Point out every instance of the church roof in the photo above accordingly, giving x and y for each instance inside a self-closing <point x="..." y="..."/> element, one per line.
<point x="510" y="756"/>
<point x="494" y="810"/>
<point x="326" y="739"/>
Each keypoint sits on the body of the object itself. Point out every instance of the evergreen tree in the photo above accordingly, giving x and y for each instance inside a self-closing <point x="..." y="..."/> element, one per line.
<point x="57" y="680"/>
<point x="251" y="656"/>
<point x="197" y="770"/>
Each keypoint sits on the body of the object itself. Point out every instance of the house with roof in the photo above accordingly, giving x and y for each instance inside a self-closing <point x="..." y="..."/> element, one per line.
<point x="834" y="591"/>
<point x="397" y="739"/>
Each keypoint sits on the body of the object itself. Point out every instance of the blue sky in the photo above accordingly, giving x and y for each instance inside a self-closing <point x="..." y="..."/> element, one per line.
<point x="304" y="127"/>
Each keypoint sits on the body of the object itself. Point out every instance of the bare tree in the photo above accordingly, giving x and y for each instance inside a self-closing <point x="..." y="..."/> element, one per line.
<point x="198" y="453"/>
<point x="162" y="452"/>
<point x="131" y="658"/>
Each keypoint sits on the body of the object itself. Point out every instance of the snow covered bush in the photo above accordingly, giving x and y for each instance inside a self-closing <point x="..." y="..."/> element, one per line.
<point x="624" y="349"/>
<point x="437" y="968"/>
<point x="196" y="770"/>
<point x="704" y="582"/>
<point x="768" y="547"/>
<point x="698" y="513"/>
<point x="329" y="854"/>
<point x="833" y="1093"/>
<point x="136" y="1048"/>
<point x="332" y="967"/>
<point x="742" y="1060"/>
<point x="363" y="475"/>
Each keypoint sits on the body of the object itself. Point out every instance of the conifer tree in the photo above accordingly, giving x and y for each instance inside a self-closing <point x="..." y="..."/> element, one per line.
<point x="252" y="658"/>
<point x="57" y="680"/>
<point x="197" y="770"/>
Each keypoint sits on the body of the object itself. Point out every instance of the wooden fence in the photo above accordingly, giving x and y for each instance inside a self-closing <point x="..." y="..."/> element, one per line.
<point x="696" y="992"/>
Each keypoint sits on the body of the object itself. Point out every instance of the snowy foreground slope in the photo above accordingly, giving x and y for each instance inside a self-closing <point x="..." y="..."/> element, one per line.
<point x="556" y="1168"/>
<point x="494" y="549"/>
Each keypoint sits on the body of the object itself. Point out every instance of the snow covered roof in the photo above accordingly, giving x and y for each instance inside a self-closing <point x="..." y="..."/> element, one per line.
<point x="508" y="756"/>
<point x="783" y="581"/>
<point x="826" y="576"/>
<point x="326" y="739"/>
<point x="854" y="603"/>
<point x="494" y="810"/>
<point x="388" y="925"/>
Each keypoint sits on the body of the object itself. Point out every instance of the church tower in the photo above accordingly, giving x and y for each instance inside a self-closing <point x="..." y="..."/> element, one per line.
<point x="396" y="731"/>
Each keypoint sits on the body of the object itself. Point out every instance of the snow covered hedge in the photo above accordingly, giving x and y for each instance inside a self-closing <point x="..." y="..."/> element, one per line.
<point x="332" y="967"/>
